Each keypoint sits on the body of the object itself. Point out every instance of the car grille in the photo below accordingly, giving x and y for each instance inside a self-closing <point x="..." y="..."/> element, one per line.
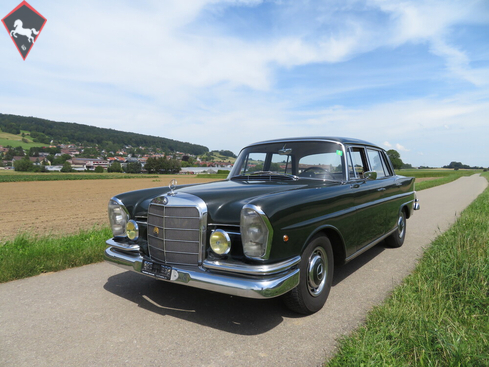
<point x="176" y="230"/>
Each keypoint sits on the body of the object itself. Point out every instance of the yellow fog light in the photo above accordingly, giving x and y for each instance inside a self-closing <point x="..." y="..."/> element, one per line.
<point x="132" y="230"/>
<point x="220" y="242"/>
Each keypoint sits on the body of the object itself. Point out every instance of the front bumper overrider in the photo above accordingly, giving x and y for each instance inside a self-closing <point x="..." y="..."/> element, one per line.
<point x="260" y="281"/>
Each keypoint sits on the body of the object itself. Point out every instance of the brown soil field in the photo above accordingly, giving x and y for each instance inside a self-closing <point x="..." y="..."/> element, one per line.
<point x="65" y="207"/>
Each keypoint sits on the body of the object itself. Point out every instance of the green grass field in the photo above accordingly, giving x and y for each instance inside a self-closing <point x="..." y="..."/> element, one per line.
<point x="16" y="141"/>
<point x="216" y="176"/>
<point x="435" y="177"/>
<point x="12" y="176"/>
<point x="28" y="255"/>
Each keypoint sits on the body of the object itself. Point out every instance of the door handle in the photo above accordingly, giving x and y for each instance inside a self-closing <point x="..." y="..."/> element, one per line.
<point x="381" y="189"/>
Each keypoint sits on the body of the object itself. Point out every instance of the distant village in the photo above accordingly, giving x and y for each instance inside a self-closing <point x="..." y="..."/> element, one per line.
<point x="69" y="157"/>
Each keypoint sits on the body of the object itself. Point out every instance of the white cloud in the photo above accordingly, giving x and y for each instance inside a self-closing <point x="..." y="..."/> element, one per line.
<point x="401" y="148"/>
<point x="182" y="70"/>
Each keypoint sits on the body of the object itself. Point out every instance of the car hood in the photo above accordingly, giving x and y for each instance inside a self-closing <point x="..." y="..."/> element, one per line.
<point x="225" y="199"/>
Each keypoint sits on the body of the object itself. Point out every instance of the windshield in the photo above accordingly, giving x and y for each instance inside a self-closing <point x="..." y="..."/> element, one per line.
<point x="308" y="159"/>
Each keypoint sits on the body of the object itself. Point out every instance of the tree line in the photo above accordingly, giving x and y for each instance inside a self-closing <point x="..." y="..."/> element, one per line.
<point x="458" y="165"/>
<point x="46" y="131"/>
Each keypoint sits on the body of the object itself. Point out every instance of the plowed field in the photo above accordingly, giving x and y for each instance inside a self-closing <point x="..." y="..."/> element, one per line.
<point x="65" y="207"/>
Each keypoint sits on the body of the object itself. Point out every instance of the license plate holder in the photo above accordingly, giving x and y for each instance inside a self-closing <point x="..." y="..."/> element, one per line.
<point x="158" y="270"/>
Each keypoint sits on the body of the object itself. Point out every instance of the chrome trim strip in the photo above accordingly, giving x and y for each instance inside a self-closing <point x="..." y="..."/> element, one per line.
<point x="261" y="287"/>
<point x="259" y="270"/>
<point x="123" y="245"/>
<point x="223" y="225"/>
<point x="370" y="245"/>
<point x="119" y="202"/>
<point x="233" y="233"/>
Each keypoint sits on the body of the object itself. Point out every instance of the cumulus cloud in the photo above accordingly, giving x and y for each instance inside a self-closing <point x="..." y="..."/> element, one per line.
<point x="193" y="70"/>
<point x="401" y="148"/>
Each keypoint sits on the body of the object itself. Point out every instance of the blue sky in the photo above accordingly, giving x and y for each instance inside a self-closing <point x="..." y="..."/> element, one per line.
<point x="406" y="75"/>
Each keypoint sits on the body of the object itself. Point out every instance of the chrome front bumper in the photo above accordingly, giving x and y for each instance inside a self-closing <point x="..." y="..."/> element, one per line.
<point x="263" y="281"/>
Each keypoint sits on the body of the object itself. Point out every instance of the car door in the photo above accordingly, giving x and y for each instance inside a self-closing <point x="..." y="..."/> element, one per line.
<point x="387" y="188"/>
<point x="369" y="217"/>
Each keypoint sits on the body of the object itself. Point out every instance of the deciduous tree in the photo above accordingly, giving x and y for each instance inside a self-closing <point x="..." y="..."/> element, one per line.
<point x="395" y="158"/>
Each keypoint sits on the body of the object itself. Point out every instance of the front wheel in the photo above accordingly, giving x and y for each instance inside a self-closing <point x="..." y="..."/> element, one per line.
<point x="316" y="276"/>
<point x="397" y="238"/>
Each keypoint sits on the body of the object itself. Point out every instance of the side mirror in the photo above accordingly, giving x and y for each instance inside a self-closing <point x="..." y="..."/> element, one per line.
<point x="370" y="175"/>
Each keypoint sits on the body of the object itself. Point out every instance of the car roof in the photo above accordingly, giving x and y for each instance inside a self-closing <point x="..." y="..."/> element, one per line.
<point x="341" y="140"/>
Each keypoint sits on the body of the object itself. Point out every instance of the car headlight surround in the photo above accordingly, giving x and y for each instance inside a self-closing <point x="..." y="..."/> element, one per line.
<point x="118" y="217"/>
<point x="256" y="232"/>
<point x="220" y="242"/>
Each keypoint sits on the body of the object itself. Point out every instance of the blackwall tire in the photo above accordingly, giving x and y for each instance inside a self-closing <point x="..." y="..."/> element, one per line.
<point x="397" y="238"/>
<point x="316" y="276"/>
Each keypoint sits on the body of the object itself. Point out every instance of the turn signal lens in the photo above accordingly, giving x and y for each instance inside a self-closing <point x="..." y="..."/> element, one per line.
<point x="132" y="230"/>
<point x="220" y="242"/>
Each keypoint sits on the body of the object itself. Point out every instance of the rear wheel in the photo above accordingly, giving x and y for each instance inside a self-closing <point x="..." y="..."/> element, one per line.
<point x="315" y="278"/>
<point x="397" y="238"/>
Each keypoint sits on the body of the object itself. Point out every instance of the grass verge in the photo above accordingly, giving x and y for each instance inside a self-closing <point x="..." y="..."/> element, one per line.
<point x="28" y="255"/>
<point x="217" y="176"/>
<point x="9" y="176"/>
<point x="439" y="315"/>
<point x="441" y="180"/>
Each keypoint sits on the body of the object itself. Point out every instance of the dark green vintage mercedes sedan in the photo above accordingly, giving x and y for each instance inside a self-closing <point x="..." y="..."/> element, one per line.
<point x="289" y="211"/>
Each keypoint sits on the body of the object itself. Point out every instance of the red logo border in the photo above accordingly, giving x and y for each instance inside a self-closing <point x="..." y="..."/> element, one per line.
<point x="8" y="30"/>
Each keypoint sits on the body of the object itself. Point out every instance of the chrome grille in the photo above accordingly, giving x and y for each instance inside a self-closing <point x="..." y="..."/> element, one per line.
<point x="176" y="230"/>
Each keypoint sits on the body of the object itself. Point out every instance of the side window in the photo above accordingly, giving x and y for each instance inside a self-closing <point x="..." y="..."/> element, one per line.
<point x="377" y="163"/>
<point x="387" y="165"/>
<point x="357" y="162"/>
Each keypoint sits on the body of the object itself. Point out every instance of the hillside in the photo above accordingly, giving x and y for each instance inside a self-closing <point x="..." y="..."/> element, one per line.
<point x="44" y="131"/>
<point x="17" y="140"/>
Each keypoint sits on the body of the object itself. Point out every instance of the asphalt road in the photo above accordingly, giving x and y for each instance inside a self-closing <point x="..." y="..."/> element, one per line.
<point x="102" y="315"/>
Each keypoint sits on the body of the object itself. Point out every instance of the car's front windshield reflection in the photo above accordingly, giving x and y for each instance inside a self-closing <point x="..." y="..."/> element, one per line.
<point x="311" y="159"/>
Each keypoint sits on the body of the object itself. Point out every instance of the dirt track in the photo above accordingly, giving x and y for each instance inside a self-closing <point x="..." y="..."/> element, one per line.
<point x="62" y="207"/>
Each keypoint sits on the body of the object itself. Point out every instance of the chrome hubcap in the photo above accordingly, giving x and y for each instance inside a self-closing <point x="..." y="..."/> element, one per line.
<point x="317" y="271"/>
<point x="401" y="226"/>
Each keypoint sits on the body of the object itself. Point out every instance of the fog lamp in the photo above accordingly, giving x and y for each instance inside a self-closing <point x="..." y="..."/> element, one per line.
<point x="132" y="230"/>
<point x="220" y="242"/>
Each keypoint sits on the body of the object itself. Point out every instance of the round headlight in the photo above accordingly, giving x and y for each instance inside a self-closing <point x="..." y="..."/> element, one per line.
<point x="220" y="242"/>
<point x="132" y="230"/>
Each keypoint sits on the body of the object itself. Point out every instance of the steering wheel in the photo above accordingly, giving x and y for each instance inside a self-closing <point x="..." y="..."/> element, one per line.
<point x="324" y="171"/>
